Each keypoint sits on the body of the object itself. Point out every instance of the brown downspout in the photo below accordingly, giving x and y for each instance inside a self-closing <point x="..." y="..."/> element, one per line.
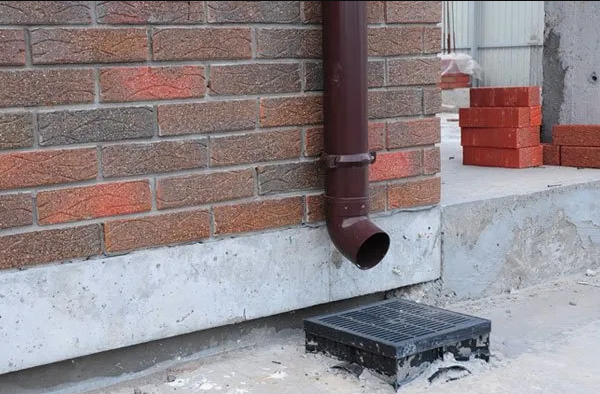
<point x="346" y="154"/>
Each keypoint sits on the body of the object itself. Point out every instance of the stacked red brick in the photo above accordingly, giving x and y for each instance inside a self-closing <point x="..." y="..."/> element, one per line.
<point x="574" y="145"/>
<point x="502" y="127"/>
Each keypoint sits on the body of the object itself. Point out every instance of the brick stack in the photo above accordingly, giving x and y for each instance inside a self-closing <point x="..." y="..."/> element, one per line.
<point x="502" y="127"/>
<point x="455" y="81"/>
<point x="574" y="145"/>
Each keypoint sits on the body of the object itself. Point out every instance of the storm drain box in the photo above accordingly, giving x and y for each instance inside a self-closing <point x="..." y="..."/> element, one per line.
<point x="398" y="338"/>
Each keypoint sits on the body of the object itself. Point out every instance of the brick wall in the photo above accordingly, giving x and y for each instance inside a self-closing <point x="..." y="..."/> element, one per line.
<point x="129" y="125"/>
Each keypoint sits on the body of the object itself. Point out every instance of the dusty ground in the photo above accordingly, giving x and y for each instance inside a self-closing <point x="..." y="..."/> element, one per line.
<point x="545" y="339"/>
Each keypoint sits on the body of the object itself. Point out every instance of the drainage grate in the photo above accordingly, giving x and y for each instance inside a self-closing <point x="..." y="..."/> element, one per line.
<point x="398" y="338"/>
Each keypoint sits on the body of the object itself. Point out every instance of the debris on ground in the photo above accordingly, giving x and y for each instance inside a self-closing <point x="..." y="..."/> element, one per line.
<point x="591" y="272"/>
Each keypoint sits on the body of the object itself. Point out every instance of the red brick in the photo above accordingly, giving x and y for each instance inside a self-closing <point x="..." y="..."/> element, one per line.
<point x="50" y="245"/>
<point x="288" y="43"/>
<point x="255" y="147"/>
<point x="424" y="192"/>
<point x="259" y="215"/>
<point x="90" y="45"/>
<point x="501" y="137"/>
<point x="315" y="204"/>
<point x="413" y="132"/>
<point x="525" y="96"/>
<point x="16" y="210"/>
<point x="150" y="12"/>
<point x="314" y="139"/>
<point x="280" y="178"/>
<point x="44" y="12"/>
<point x="158" y="230"/>
<point x="12" y="47"/>
<point x="240" y="79"/>
<point x="580" y="156"/>
<point x="111" y="199"/>
<point x="498" y="117"/>
<point x="419" y="71"/>
<point x="207" y="117"/>
<point x="413" y="11"/>
<point x="498" y="157"/>
<point x="576" y="135"/>
<point x="201" y="44"/>
<point x="535" y="116"/>
<point x="394" y="41"/>
<point x="456" y="77"/>
<point x="204" y="188"/>
<point x="395" y="165"/>
<point x="46" y="167"/>
<point x="253" y="11"/>
<point x="551" y="154"/>
<point x="291" y="111"/>
<point x="151" y="83"/>
<point x="312" y="11"/>
<point x="431" y="161"/>
<point x="394" y="103"/>
<point x="16" y="130"/>
<point x="27" y="88"/>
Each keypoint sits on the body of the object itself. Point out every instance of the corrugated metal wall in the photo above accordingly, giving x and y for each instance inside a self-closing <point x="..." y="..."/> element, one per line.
<point x="504" y="37"/>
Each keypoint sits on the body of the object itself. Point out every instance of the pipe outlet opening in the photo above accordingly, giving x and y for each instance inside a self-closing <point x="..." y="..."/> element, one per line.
<point x="373" y="250"/>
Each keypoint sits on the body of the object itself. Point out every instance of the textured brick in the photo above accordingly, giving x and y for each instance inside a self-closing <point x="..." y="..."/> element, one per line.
<point x="46" y="87"/>
<point x="204" y="188"/>
<point x="259" y="215"/>
<point x="313" y="75"/>
<point x="431" y="161"/>
<point x="12" y="47"/>
<point x="424" y="71"/>
<point x="151" y="83"/>
<point x="201" y="44"/>
<point x="423" y="192"/>
<point x="375" y="11"/>
<point x="378" y="197"/>
<point x="314" y="139"/>
<point x="226" y="115"/>
<point x="291" y="111"/>
<point x="312" y="11"/>
<point x="498" y="157"/>
<point x="495" y="117"/>
<point x="44" y="12"/>
<point x="255" y="147"/>
<point x="149" y="231"/>
<point x="150" y="12"/>
<point x="80" y="203"/>
<point x="393" y="103"/>
<point x="396" y="165"/>
<point x="432" y="101"/>
<point x="254" y="79"/>
<point x="25" y="169"/>
<point x="580" y="156"/>
<point x="50" y="245"/>
<point x="95" y="125"/>
<point x="535" y="115"/>
<point x="431" y="40"/>
<point x="57" y="46"/>
<point x="315" y="204"/>
<point x="522" y="96"/>
<point x="16" y="131"/>
<point x="155" y="157"/>
<point x="551" y="154"/>
<point x="576" y="135"/>
<point x="280" y="178"/>
<point x="376" y="73"/>
<point x="501" y="137"/>
<point x="288" y="43"/>
<point x="254" y="11"/>
<point x="15" y="210"/>
<point x="392" y="41"/>
<point x="413" y="11"/>
<point x="413" y="132"/>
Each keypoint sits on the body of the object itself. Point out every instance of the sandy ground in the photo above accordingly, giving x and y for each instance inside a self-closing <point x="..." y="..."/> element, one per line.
<point x="545" y="339"/>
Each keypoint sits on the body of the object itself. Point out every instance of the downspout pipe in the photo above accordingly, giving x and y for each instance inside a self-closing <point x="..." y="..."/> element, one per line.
<point x="346" y="155"/>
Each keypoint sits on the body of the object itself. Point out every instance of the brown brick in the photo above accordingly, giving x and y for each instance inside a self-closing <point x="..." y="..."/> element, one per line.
<point x="288" y="43"/>
<point x="375" y="11"/>
<point x="259" y="215"/>
<point x="576" y="134"/>
<point x="423" y="192"/>
<point x="242" y="79"/>
<point x="150" y="12"/>
<point x="255" y="147"/>
<point x="431" y="40"/>
<point x="16" y="130"/>
<point x="12" y="47"/>
<point x="396" y="165"/>
<point x="204" y="188"/>
<point x="226" y="115"/>
<point x="313" y="75"/>
<point x="50" y="245"/>
<point x="312" y="11"/>
<point x="151" y="83"/>
<point x="392" y="41"/>
<point x="15" y="210"/>
<point x="291" y="111"/>
<point x="413" y="11"/>
<point x="80" y="203"/>
<point x="432" y="101"/>
<point x="378" y="197"/>
<point x="431" y="161"/>
<point x="413" y="132"/>
<point x="393" y="103"/>
<point x="44" y="12"/>
<point x="155" y="157"/>
<point x="424" y="71"/>
<point x="314" y="139"/>
<point x="580" y="156"/>
<point x="551" y="155"/>
<point x="375" y="73"/>
<point x="201" y="44"/>
<point x="95" y="125"/>
<point x="254" y="11"/>
<point x="46" y="87"/>
<point x="149" y="231"/>
<point x="315" y="204"/>
<point x="290" y="177"/>
<point x="57" y="46"/>
<point x="46" y="167"/>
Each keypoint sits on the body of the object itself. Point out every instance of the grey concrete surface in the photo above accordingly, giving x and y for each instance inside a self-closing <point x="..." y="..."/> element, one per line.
<point x="453" y="99"/>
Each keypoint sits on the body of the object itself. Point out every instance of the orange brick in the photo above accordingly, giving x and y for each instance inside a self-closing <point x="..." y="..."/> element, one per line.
<point x="396" y="165"/>
<point x="525" y="96"/>
<point x="497" y="157"/>
<point x="551" y="154"/>
<point x="501" y="137"/>
<point x="499" y="117"/>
